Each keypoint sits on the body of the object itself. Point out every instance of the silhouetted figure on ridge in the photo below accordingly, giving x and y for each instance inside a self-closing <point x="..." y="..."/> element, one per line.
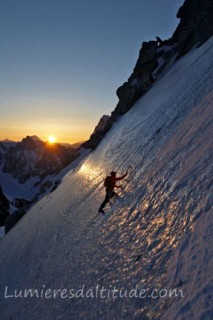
<point x="160" y="41"/>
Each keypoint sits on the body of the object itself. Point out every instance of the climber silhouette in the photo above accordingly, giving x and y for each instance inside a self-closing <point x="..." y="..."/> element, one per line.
<point x="110" y="184"/>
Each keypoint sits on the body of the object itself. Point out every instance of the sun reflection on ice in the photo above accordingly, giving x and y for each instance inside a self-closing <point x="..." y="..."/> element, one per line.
<point x="90" y="172"/>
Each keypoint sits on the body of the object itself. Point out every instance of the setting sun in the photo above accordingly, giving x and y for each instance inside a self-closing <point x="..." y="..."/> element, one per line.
<point x="51" y="139"/>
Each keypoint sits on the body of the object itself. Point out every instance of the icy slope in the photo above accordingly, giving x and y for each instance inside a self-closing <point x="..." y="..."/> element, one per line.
<point x="62" y="243"/>
<point x="191" y="269"/>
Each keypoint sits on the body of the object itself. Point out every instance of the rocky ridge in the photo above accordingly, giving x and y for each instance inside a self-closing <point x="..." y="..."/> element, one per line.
<point x="194" y="29"/>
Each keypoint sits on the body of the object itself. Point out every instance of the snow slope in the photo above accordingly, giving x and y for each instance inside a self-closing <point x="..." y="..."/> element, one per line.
<point x="13" y="189"/>
<point x="148" y="238"/>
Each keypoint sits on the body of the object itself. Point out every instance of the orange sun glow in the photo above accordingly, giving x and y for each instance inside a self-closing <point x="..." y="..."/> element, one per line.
<point x="51" y="139"/>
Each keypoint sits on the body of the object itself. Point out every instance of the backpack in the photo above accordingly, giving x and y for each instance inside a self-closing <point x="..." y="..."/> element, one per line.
<point x="108" y="182"/>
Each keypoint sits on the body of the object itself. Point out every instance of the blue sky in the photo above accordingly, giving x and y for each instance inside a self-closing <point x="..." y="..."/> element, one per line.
<point x="62" y="60"/>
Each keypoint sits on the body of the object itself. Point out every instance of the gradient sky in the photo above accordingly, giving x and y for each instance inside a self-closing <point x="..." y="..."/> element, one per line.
<point x="61" y="61"/>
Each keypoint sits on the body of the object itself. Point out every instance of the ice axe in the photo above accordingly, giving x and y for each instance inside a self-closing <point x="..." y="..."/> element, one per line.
<point x="129" y="167"/>
<point x="126" y="180"/>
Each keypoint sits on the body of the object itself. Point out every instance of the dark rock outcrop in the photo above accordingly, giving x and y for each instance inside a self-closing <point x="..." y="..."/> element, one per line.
<point x="20" y="203"/>
<point x="142" y="77"/>
<point x="102" y="127"/>
<point x="4" y="208"/>
<point x="3" y="149"/>
<point x="13" y="218"/>
<point x="196" y="24"/>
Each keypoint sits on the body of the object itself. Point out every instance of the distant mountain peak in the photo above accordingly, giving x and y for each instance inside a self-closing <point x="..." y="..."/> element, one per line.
<point x="28" y="142"/>
<point x="32" y="141"/>
<point x="35" y="138"/>
<point x="8" y="140"/>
